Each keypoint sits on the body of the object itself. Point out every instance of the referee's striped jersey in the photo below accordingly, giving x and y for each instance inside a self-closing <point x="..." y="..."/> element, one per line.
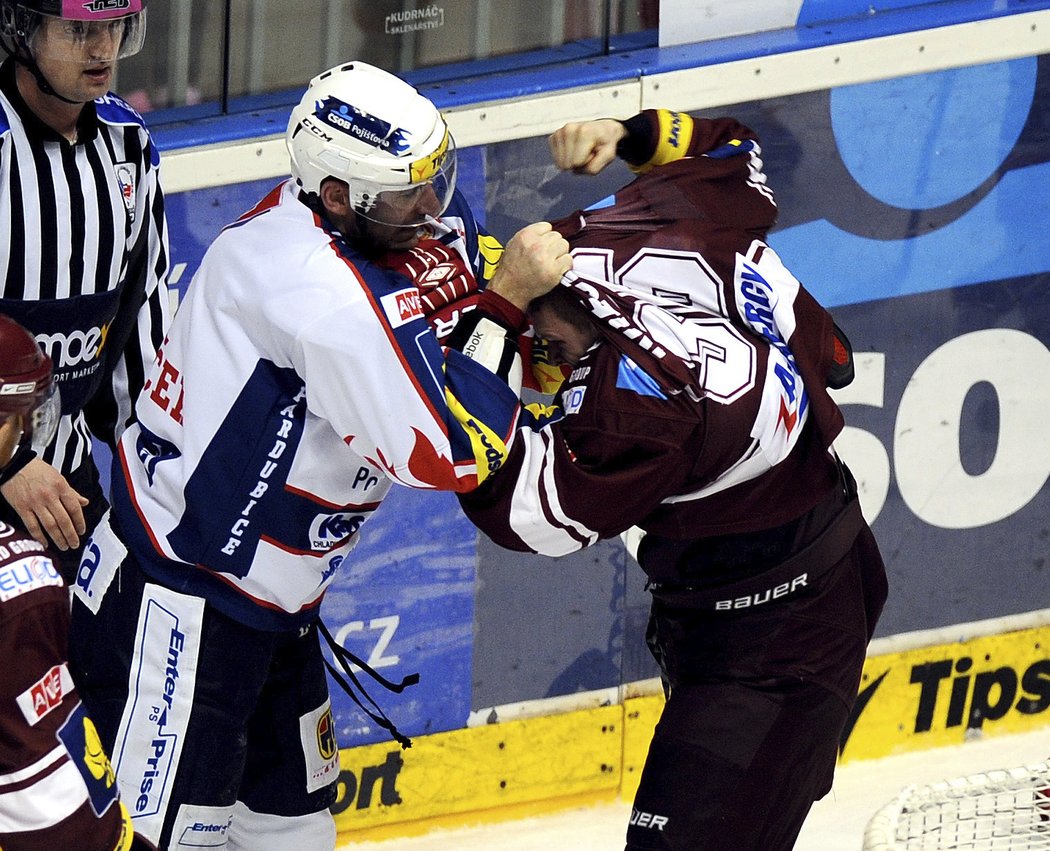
<point x="83" y="259"/>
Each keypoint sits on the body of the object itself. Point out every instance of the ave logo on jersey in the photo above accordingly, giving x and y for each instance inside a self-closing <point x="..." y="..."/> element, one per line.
<point x="402" y="307"/>
<point x="45" y="694"/>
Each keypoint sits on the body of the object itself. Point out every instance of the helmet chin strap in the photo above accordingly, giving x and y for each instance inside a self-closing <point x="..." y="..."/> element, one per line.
<point x="27" y="62"/>
<point x="41" y="81"/>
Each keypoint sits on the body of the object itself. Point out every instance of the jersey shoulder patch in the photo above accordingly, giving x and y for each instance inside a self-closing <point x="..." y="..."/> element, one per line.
<point x="113" y="109"/>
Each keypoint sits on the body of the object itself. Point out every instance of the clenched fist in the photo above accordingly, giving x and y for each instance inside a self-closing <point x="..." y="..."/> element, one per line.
<point x="533" y="262"/>
<point x="586" y="147"/>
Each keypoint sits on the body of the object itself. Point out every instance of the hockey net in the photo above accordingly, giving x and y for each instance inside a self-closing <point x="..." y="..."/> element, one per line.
<point x="1001" y="809"/>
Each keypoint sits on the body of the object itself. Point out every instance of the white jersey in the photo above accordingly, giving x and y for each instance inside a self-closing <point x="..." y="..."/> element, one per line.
<point x="298" y="381"/>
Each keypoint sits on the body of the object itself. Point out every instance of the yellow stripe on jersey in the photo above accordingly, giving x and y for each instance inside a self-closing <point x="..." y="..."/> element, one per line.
<point x="127" y="830"/>
<point x="676" y="132"/>
<point x="490" y="452"/>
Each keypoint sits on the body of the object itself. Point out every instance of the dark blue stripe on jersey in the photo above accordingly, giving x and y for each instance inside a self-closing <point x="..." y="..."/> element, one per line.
<point x="485" y="396"/>
<point x="236" y="493"/>
<point x="414" y="340"/>
<point x="191" y="580"/>
<point x="115" y="110"/>
<point x="726" y="151"/>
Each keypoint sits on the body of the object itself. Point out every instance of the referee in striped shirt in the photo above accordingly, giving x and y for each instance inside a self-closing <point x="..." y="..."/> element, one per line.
<point x="83" y="245"/>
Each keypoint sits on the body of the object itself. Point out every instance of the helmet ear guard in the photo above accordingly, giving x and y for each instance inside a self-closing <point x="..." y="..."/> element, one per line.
<point x="366" y="127"/>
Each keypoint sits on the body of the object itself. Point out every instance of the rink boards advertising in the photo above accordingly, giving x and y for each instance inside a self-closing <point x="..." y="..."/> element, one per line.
<point x="913" y="207"/>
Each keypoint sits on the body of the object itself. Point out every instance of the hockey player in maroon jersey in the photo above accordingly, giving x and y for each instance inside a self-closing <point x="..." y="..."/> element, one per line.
<point x="697" y="409"/>
<point x="57" y="788"/>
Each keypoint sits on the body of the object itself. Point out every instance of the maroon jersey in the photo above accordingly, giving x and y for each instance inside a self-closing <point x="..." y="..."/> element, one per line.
<point x="703" y="410"/>
<point x="57" y="788"/>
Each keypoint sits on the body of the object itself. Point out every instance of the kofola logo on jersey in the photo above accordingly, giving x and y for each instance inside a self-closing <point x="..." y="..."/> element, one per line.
<point x="330" y="530"/>
<point x="369" y="129"/>
<point x="402" y="307"/>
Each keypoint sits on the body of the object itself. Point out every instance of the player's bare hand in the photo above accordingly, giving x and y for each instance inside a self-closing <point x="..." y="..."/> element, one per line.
<point x="533" y="262"/>
<point x="52" y="511"/>
<point x="586" y="147"/>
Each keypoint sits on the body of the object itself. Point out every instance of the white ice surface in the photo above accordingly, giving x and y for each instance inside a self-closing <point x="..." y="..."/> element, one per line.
<point x="835" y="823"/>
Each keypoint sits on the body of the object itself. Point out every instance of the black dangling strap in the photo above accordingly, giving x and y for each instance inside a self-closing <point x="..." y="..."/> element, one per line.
<point x="346" y="659"/>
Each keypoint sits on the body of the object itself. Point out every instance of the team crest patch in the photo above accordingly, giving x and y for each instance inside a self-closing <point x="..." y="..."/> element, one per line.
<point x="317" y="733"/>
<point x="126" y="184"/>
<point x="326" y="736"/>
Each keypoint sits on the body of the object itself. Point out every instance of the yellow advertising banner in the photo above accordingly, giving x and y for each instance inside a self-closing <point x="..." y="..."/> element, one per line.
<point x="945" y="694"/>
<point x="911" y="700"/>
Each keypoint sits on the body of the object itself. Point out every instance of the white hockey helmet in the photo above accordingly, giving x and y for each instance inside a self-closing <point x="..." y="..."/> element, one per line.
<point x="363" y="125"/>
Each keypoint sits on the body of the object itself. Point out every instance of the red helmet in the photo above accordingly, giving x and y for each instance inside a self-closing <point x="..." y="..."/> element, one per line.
<point x="27" y="387"/>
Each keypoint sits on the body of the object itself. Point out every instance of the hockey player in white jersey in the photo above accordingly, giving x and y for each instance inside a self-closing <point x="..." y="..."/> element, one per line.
<point x="299" y="380"/>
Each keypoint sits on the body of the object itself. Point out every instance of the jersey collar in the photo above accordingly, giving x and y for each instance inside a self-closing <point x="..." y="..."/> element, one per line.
<point x="87" y="123"/>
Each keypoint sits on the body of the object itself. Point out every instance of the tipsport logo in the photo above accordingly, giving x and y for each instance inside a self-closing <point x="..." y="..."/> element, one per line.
<point x="369" y="129"/>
